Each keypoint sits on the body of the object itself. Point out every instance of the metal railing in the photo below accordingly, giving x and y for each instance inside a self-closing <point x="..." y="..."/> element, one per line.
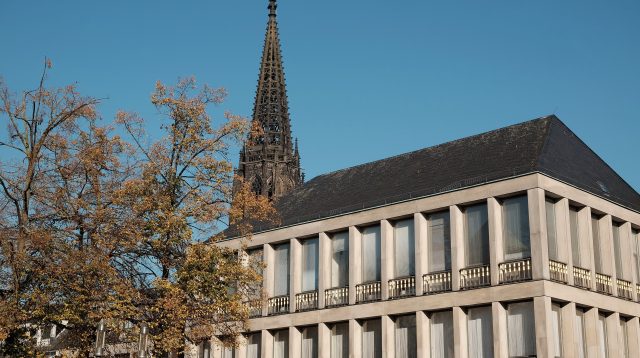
<point x="581" y="277"/>
<point x="278" y="305"/>
<point x="558" y="271"/>
<point x="402" y="287"/>
<point x="624" y="289"/>
<point x="367" y="292"/>
<point x="255" y="308"/>
<point x="474" y="277"/>
<point x="436" y="282"/>
<point x="515" y="271"/>
<point x="307" y="301"/>
<point x="604" y="284"/>
<point x="335" y="297"/>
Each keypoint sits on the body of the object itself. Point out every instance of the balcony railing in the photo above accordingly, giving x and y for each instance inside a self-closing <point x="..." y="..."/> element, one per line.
<point x="558" y="271"/>
<point x="335" y="297"/>
<point x="604" y="283"/>
<point x="402" y="287"/>
<point x="368" y="292"/>
<point x="307" y="301"/>
<point x="474" y="277"/>
<point x="624" y="289"/>
<point x="515" y="271"/>
<point x="278" y="305"/>
<point x="581" y="277"/>
<point x="255" y="308"/>
<point x="436" y="282"/>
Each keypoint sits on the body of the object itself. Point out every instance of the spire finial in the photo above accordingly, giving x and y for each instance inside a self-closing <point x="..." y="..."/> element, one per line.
<point x="272" y="7"/>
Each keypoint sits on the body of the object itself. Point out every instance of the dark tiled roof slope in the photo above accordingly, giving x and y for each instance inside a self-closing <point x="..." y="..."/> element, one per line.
<point x="543" y="145"/>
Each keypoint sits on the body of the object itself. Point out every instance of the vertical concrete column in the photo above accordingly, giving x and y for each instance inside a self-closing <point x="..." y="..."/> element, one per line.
<point x="563" y="236"/>
<point x="608" y="255"/>
<point x="591" y="333"/>
<point x="457" y="246"/>
<point x="241" y="350"/>
<point x="295" y="272"/>
<point x="423" y="334"/>
<point x="538" y="234"/>
<point x="633" y="328"/>
<point x="355" y="339"/>
<point x="324" y="341"/>
<point x="586" y="243"/>
<point x="422" y="257"/>
<point x="295" y="342"/>
<point x="386" y="257"/>
<point x="324" y="267"/>
<point x="266" y="344"/>
<point x="388" y="337"/>
<point x="355" y="262"/>
<point x="544" y="327"/>
<point x="629" y="262"/>
<point x="614" y="335"/>
<point x="499" y="323"/>
<point x="496" y="245"/>
<point x="568" y="330"/>
<point x="460" y="344"/>
<point x="268" y="275"/>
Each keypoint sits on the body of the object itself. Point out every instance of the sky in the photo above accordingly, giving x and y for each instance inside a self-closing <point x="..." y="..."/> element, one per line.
<point x="366" y="79"/>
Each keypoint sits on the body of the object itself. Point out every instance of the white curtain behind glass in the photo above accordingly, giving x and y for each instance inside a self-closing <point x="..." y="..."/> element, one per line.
<point x="281" y="270"/>
<point x="441" y="334"/>
<point x="371" y="339"/>
<point x="552" y="232"/>
<point x="228" y="352"/>
<point x="595" y="236"/>
<point x="601" y="330"/>
<point x="281" y="344"/>
<point x="477" y="235"/>
<point x="624" y="331"/>
<point x="556" y="321"/>
<point x="310" y="265"/>
<point x="310" y="342"/>
<point x="576" y="244"/>
<point x="521" y="329"/>
<point x="515" y="220"/>
<point x="371" y="254"/>
<point x="404" y="246"/>
<point x="340" y="340"/>
<point x="253" y="345"/>
<point x="480" y="332"/>
<point x="340" y="260"/>
<point x="581" y="348"/>
<point x="439" y="250"/>
<point x="204" y="350"/>
<point x="405" y="337"/>
<point x="617" y="247"/>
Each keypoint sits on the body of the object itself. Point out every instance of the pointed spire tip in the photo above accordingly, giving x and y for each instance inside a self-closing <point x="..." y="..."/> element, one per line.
<point x="272" y="7"/>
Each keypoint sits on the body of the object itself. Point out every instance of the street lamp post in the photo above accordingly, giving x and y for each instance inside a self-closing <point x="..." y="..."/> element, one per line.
<point x="142" y="343"/>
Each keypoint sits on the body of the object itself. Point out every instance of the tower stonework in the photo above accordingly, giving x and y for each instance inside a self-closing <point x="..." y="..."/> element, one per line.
<point x="270" y="159"/>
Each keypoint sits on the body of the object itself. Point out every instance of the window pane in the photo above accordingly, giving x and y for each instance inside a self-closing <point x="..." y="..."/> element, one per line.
<point x="340" y="260"/>
<point x="480" y="332"/>
<point x="228" y="352"/>
<point x="601" y="329"/>
<point x="439" y="249"/>
<point x="477" y="235"/>
<point x="552" y="231"/>
<point x="617" y="247"/>
<point x="595" y="236"/>
<point x="516" y="228"/>
<point x="204" y="350"/>
<point x="371" y="254"/>
<point x="371" y="339"/>
<point x="254" y="345"/>
<point x="441" y="324"/>
<point x="404" y="246"/>
<point x="340" y="340"/>
<point x="281" y="344"/>
<point x="310" y="265"/>
<point x="624" y="331"/>
<point x="556" y="316"/>
<point x="310" y="342"/>
<point x="256" y="260"/>
<point x="521" y="330"/>
<point x="406" y="345"/>
<point x="575" y="237"/>
<point x="281" y="270"/>
<point x="581" y="347"/>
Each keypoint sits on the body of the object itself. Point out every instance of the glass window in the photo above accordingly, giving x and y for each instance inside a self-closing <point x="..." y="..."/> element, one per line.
<point x="310" y="342"/>
<point x="405" y="332"/>
<point x="439" y="235"/>
<point x="624" y="331"/>
<point x="552" y="231"/>
<point x="310" y="265"/>
<point x="371" y="254"/>
<point x="601" y="330"/>
<point x="228" y="352"/>
<point x="256" y="260"/>
<point x="340" y="259"/>
<point x="340" y="340"/>
<point x="281" y="344"/>
<point x="515" y="221"/>
<point x="521" y="330"/>
<point x="597" y="249"/>
<point x="580" y="334"/>
<point x="204" y="350"/>
<point x="476" y="235"/>
<point x="404" y="247"/>
<point x="254" y="346"/>
<point x="480" y="332"/>
<point x="556" y="320"/>
<point x="281" y="270"/>
<point x="441" y="332"/>
<point x="575" y="236"/>
<point x="371" y="339"/>
<point x="617" y="248"/>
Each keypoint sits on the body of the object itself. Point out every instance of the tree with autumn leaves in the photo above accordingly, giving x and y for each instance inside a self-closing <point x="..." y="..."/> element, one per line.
<point x="99" y="222"/>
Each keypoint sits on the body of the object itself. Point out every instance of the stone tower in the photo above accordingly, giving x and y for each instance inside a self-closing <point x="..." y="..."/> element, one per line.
<point x="270" y="160"/>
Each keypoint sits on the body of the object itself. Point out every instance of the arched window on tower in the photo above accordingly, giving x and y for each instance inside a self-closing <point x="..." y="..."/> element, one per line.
<point x="256" y="186"/>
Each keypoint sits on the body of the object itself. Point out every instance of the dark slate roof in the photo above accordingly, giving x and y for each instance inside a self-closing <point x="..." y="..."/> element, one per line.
<point x="544" y="145"/>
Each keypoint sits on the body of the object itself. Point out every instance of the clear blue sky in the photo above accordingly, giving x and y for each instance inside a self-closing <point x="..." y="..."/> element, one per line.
<point x="366" y="79"/>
